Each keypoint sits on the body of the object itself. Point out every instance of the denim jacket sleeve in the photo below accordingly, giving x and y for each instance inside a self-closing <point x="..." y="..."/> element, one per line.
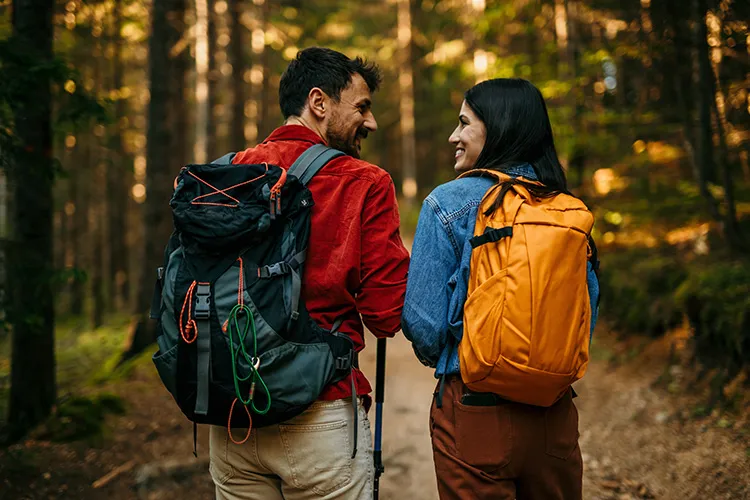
<point x="428" y="290"/>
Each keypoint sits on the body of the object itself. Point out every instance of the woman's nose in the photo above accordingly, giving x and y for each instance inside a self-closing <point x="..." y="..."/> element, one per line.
<point x="453" y="139"/>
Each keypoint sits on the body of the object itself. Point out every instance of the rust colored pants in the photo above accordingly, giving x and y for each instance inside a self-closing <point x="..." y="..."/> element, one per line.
<point x="505" y="451"/>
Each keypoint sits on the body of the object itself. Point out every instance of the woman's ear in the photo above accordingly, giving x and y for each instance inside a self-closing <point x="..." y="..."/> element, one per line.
<point x="318" y="103"/>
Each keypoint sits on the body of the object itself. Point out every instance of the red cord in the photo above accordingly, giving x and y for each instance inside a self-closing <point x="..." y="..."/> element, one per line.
<point x="189" y="330"/>
<point x="249" y="426"/>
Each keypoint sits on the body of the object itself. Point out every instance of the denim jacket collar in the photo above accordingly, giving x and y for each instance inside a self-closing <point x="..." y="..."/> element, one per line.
<point x="518" y="170"/>
<point x="524" y="170"/>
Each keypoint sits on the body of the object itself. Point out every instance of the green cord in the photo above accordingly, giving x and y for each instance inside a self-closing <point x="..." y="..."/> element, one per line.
<point x="234" y="326"/>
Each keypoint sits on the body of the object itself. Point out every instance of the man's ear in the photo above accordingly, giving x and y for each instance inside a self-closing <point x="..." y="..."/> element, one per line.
<point x="318" y="103"/>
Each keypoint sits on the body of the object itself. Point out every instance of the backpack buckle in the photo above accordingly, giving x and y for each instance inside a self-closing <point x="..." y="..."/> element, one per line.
<point x="278" y="269"/>
<point x="203" y="301"/>
<point x="344" y="362"/>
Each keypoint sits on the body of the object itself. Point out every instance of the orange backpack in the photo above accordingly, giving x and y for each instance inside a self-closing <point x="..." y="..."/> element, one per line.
<point x="527" y="313"/>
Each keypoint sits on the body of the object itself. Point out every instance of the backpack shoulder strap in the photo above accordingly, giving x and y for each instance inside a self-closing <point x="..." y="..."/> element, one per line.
<point x="224" y="160"/>
<point x="594" y="257"/>
<point x="311" y="161"/>
<point x="483" y="172"/>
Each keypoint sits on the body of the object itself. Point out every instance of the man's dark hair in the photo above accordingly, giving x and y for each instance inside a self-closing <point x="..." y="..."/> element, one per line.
<point x="327" y="69"/>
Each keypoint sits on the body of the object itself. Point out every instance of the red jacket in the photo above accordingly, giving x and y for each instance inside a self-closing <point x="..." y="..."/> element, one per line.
<point x="356" y="262"/>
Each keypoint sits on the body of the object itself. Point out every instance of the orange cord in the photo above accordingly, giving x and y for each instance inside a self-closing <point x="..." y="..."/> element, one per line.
<point x="189" y="331"/>
<point x="229" y="424"/>
<point x="224" y="191"/>
<point x="276" y="189"/>
<point x="241" y="285"/>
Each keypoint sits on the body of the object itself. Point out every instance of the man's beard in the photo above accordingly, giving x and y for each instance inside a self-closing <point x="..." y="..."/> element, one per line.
<point x="338" y="140"/>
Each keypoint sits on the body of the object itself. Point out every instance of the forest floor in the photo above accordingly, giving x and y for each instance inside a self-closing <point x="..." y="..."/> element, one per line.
<point x="639" y="439"/>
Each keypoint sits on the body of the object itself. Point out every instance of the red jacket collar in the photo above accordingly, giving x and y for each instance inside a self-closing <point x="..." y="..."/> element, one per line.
<point x="294" y="133"/>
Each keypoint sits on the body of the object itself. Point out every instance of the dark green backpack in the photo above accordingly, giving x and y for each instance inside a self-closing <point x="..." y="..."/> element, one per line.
<point x="236" y="343"/>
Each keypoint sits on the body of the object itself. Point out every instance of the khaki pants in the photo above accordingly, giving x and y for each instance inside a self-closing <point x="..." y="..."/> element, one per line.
<point x="307" y="457"/>
<point x="506" y="451"/>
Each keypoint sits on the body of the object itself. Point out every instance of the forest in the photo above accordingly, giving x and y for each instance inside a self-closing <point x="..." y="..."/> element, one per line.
<point x="103" y="101"/>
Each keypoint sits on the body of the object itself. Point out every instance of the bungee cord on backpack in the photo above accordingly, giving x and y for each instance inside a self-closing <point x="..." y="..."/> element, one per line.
<point x="189" y="330"/>
<point x="237" y="334"/>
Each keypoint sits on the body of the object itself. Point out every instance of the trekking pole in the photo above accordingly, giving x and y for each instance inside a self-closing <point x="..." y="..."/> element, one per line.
<point x="379" y="396"/>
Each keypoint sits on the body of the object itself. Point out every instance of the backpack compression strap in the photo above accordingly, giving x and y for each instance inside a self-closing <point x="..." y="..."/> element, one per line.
<point x="311" y="161"/>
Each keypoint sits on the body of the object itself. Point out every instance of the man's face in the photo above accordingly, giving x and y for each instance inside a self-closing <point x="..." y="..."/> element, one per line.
<point x="351" y="118"/>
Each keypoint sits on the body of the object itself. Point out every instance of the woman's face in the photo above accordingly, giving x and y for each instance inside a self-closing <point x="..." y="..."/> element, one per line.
<point x="468" y="138"/>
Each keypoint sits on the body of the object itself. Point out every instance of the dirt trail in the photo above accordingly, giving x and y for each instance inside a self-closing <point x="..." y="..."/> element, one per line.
<point x="634" y="442"/>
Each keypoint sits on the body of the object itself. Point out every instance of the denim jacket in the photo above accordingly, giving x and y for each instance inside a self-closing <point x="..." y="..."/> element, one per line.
<point x="432" y="318"/>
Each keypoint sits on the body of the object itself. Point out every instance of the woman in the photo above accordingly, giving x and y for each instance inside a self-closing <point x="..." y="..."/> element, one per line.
<point x="485" y="446"/>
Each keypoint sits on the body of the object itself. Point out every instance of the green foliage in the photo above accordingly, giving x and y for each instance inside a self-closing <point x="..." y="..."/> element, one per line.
<point x="651" y="290"/>
<point x="82" y="353"/>
<point x="114" y="370"/>
<point x="84" y="357"/>
<point x="716" y="300"/>
<point x="82" y="417"/>
<point x="637" y="290"/>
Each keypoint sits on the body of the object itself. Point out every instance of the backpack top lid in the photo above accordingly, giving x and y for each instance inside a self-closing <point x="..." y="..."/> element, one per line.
<point x="223" y="205"/>
<point x="217" y="207"/>
<point x="562" y="208"/>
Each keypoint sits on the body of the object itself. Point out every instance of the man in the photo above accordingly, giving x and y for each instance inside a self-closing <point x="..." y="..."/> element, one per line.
<point x="356" y="266"/>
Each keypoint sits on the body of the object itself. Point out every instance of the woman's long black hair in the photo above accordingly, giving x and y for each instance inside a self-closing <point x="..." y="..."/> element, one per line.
<point x="518" y="132"/>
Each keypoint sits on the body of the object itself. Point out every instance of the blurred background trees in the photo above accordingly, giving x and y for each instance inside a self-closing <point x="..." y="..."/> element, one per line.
<point x="650" y="102"/>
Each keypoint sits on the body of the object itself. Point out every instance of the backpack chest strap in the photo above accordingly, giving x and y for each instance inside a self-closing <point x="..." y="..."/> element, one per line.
<point x="491" y="235"/>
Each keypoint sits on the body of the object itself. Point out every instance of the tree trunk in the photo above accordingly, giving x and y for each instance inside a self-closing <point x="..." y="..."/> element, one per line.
<point x="574" y="160"/>
<point x="480" y="56"/>
<point x="202" y="101"/>
<point x="31" y="314"/>
<point x="96" y="220"/>
<point x="212" y="140"/>
<point x="59" y="234"/>
<point x="732" y="230"/>
<point x="98" y="203"/>
<point x="237" y="60"/>
<point x="745" y="162"/>
<point x="119" y="180"/>
<point x="702" y="91"/>
<point x="257" y="76"/>
<point x="702" y="133"/>
<point x="564" y="61"/>
<point x="406" y="102"/>
<point x="164" y="155"/>
<point x="77" y="223"/>
<point x="3" y="243"/>
<point x="267" y="98"/>
<point x="264" y="123"/>
<point x="178" y="111"/>
<point x="577" y="160"/>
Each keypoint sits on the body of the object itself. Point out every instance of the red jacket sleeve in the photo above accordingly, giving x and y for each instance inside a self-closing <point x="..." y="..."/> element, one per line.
<point x="384" y="261"/>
